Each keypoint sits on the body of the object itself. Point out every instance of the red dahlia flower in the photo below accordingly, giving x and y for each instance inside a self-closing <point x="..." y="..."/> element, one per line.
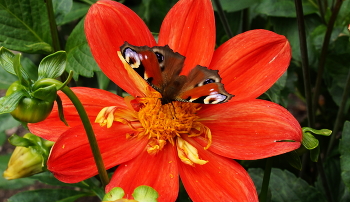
<point x="142" y="136"/>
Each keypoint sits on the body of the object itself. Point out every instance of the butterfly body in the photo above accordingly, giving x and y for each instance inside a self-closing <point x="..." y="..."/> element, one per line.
<point x="161" y="68"/>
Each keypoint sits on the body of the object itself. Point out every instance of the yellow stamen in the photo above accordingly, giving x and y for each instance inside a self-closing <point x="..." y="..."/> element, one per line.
<point x="160" y="123"/>
<point x="188" y="154"/>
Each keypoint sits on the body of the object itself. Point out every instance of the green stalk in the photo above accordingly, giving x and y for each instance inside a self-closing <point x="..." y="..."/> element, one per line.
<point x="323" y="55"/>
<point x="223" y="18"/>
<point x="340" y="113"/>
<point x="304" y="61"/>
<point x="307" y="87"/>
<point x="86" y="123"/>
<point x="53" y="26"/>
<point x="90" y="134"/>
<point x="321" y="9"/>
<point x="266" y="181"/>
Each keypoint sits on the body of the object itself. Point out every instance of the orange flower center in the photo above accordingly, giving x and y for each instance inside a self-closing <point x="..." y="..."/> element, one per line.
<point x="161" y="124"/>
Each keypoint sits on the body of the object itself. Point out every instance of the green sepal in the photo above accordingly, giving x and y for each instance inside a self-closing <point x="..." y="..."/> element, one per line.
<point x="60" y="110"/>
<point x="48" y="93"/>
<point x="69" y="78"/>
<point x="52" y="66"/>
<point x="145" y="194"/>
<point x="324" y="132"/>
<point x="20" y="72"/>
<point x="30" y="140"/>
<point x="314" y="154"/>
<point x="115" y="194"/>
<point x="6" y="60"/>
<point x="7" y="63"/>
<point x="19" y="141"/>
<point x="10" y="102"/>
<point x="309" y="141"/>
<point x="293" y="159"/>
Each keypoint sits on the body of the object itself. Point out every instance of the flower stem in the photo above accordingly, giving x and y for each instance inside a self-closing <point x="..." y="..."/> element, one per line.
<point x="307" y="87"/>
<point x="323" y="55"/>
<point x="304" y="60"/>
<point x="90" y="134"/>
<point x="340" y="113"/>
<point x="266" y="181"/>
<point x="223" y="18"/>
<point x="321" y="9"/>
<point x="53" y="26"/>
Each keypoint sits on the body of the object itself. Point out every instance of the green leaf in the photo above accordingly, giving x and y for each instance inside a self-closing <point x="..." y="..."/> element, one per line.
<point x="24" y="26"/>
<point x="20" y="72"/>
<point x="309" y="141"/>
<point x="61" y="8"/>
<point x="285" y="8"/>
<point x="2" y="138"/>
<point x="145" y="194"/>
<point x="12" y="64"/>
<point x="52" y="66"/>
<point x="293" y="159"/>
<point x="115" y="194"/>
<point x="314" y="154"/>
<point x="343" y="18"/>
<point x="78" y="10"/>
<point x="337" y="68"/>
<point x="324" y="132"/>
<point x="6" y="66"/>
<point x="11" y="184"/>
<point x="44" y="195"/>
<point x="7" y="122"/>
<point x="332" y="170"/>
<point x="237" y="5"/>
<point x="6" y="60"/>
<point x="79" y="57"/>
<point x="285" y="186"/>
<point x="10" y="102"/>
<point x="16" y="140"/>
<point x="344" y="146"/>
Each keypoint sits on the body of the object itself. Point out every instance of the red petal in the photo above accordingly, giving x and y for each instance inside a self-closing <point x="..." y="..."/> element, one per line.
<point x="251" y="62"/>
<point x="220" y="179"/>
<point x="71" y="158"/>
<point x="189" y="28"/>
<point x="94" y="100"/>
<point x="159" y="172"/>
<point x="250" y="130"/>
<point x="108" y="25"/>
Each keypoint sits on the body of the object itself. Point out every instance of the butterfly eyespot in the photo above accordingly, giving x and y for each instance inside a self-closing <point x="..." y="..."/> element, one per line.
<point x="160" y="57"/>
<point x="132" y="57"/>
<point x="208" y="81"/>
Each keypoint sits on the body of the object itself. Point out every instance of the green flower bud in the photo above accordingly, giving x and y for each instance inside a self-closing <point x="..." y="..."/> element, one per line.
<point x="24" y="162"/>
<point x="30" y="109"/>
<point x="29" y="158"/>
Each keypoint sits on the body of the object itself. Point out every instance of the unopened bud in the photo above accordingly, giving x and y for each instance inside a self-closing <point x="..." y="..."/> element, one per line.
<point x="24" y="162"/>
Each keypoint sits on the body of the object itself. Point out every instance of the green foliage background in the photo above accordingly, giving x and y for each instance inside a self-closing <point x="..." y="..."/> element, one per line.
<point x="24" y="27"/>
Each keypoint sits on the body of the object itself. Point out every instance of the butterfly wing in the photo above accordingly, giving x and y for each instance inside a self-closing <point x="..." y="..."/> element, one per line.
<point x="203" y="86"/>
<point x="158" y="65"/>
<point x="145" y="62"/>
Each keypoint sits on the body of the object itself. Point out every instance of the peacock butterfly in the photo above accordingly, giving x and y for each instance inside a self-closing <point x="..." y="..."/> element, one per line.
<point x="160" y="66"/>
